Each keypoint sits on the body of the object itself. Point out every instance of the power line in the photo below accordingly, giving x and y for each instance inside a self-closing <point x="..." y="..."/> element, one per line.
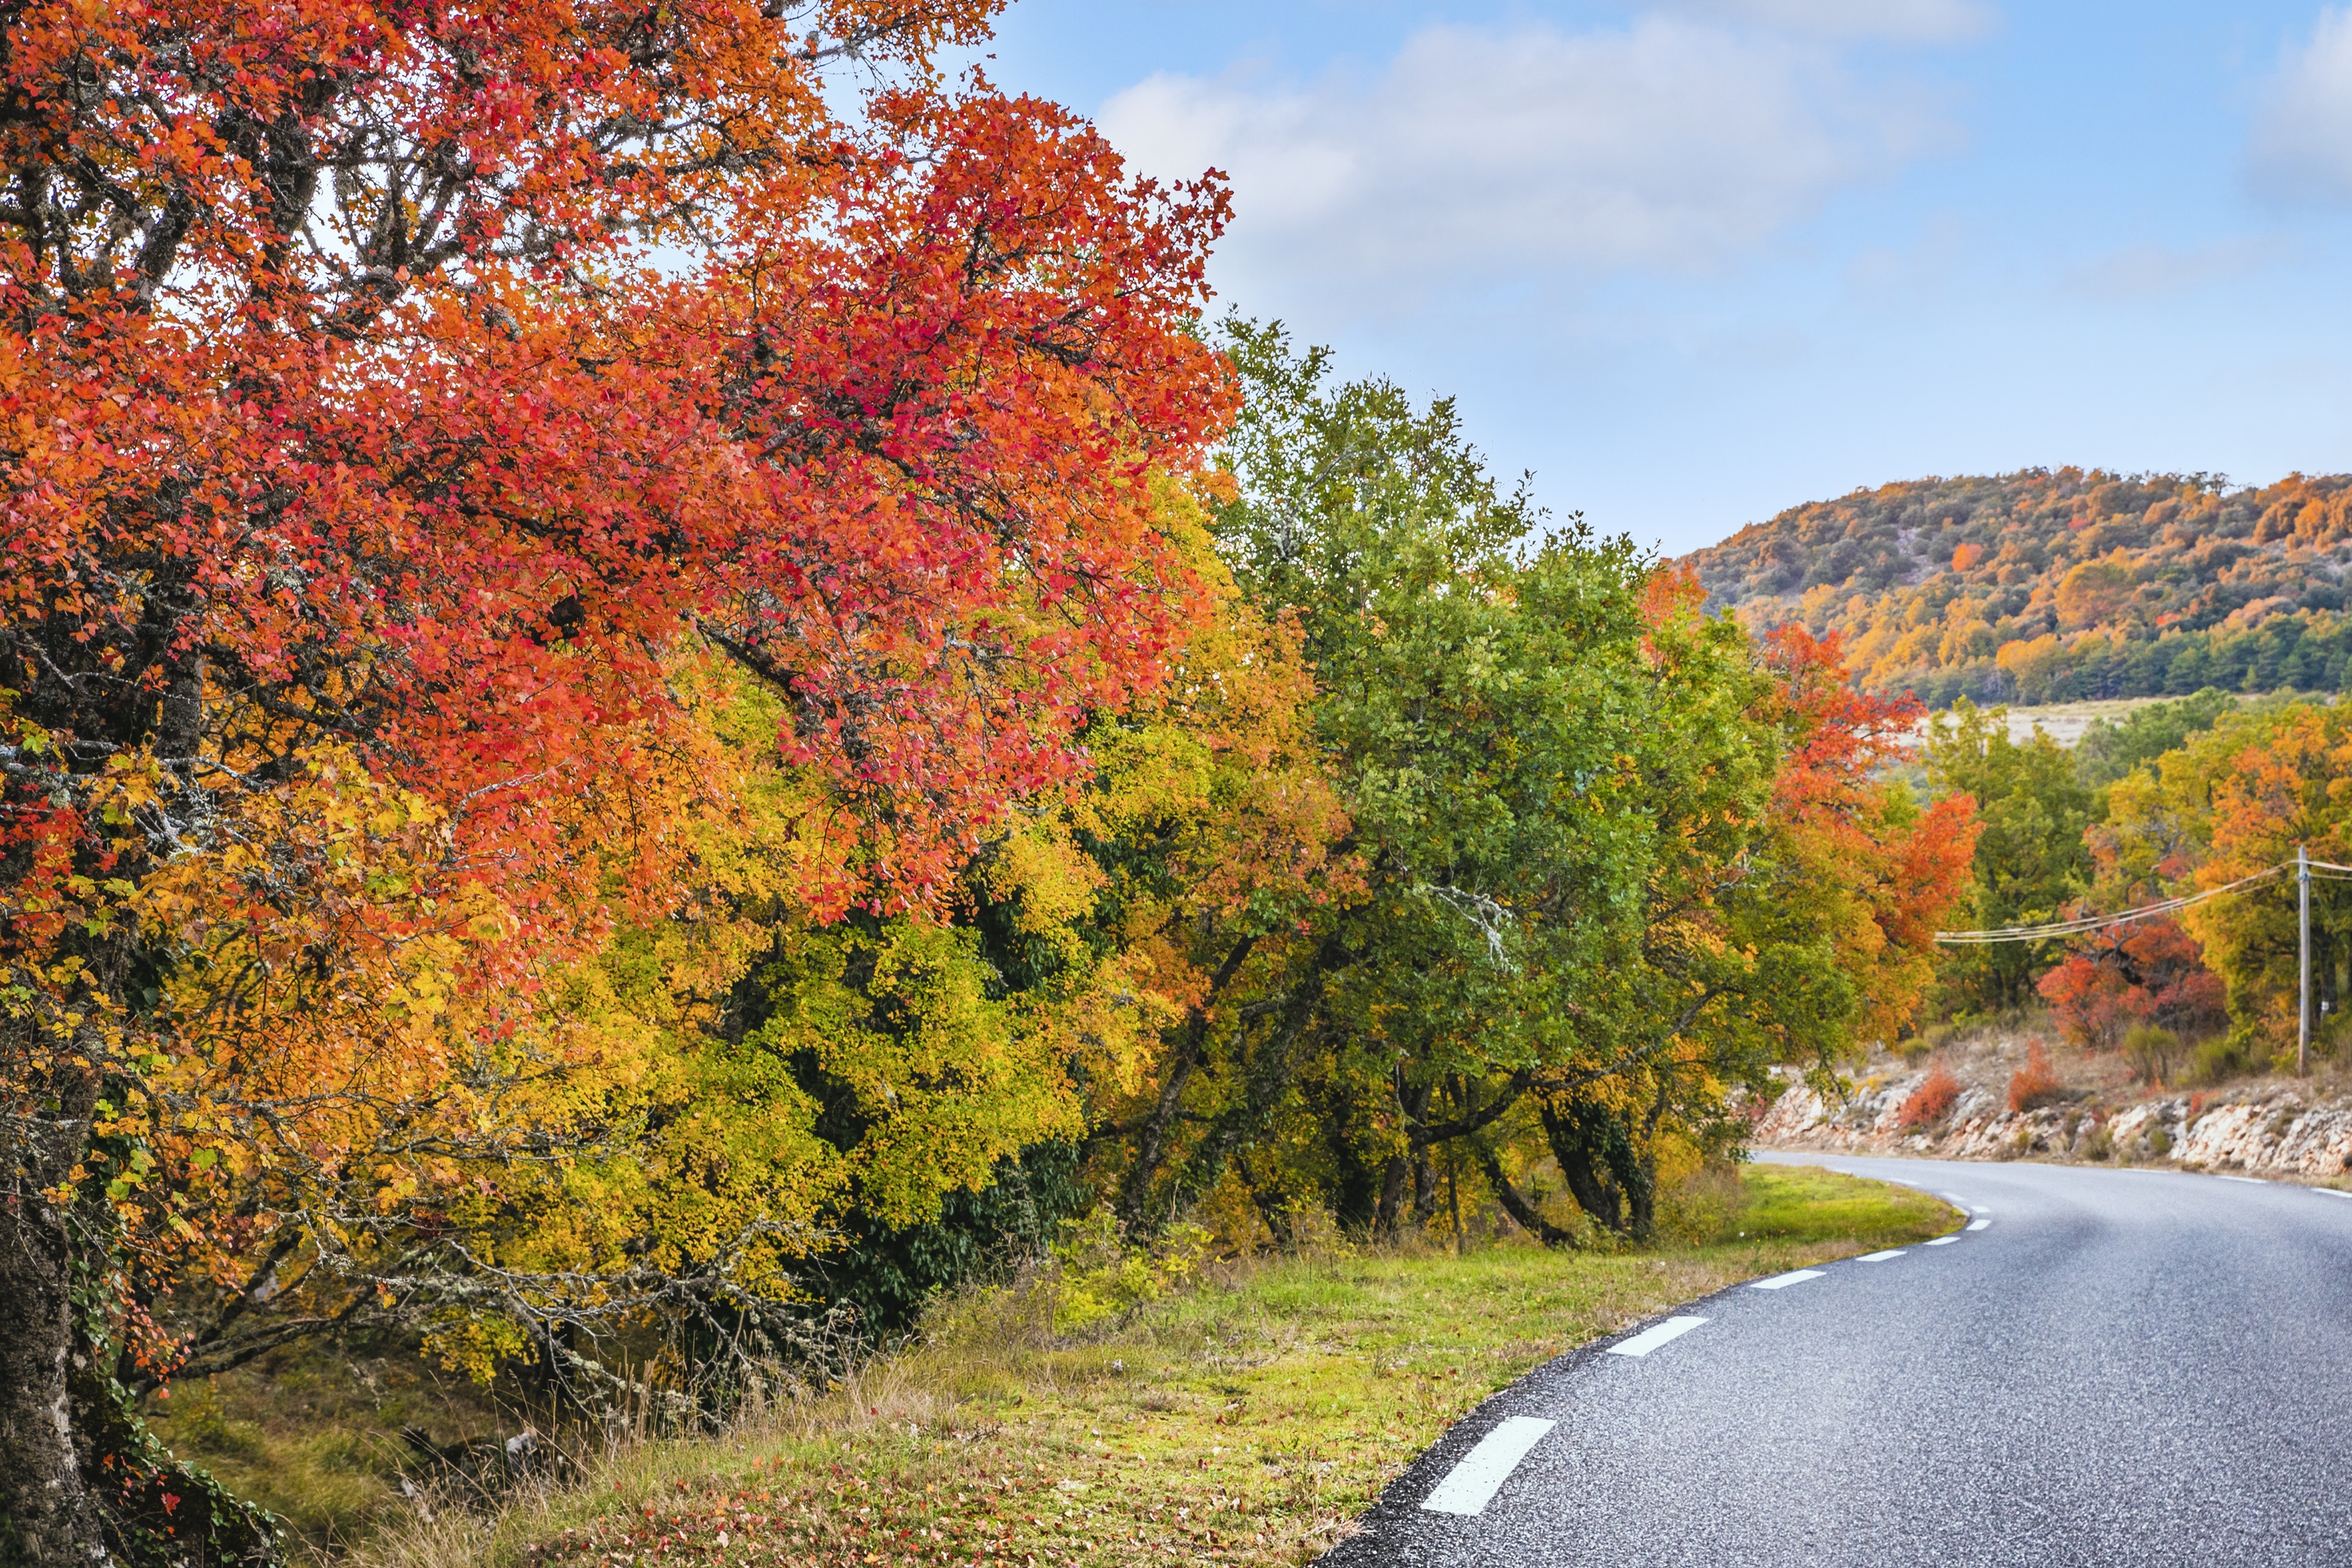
<point x="2302" y="866"/>
<point x="2080" y="926"/>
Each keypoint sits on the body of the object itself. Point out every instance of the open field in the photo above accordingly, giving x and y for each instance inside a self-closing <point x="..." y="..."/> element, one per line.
<point x="2063" y="721"/>
<point x="2066" y="721"/>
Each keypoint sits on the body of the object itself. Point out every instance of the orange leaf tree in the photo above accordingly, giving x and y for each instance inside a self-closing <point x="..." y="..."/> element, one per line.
<point x="392" y="396"/>
<point x="2235" y="800"/>
<point x="1887" y="872"/>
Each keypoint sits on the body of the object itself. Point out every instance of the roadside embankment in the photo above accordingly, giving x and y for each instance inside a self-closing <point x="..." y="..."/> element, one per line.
<point x="1247" y="1418"/>
<point x="1969" y="1104"/>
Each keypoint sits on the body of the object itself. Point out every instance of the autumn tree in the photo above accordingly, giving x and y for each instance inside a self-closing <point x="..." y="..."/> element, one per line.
<point x="1785" y="929"/>
<point x="2150" y="971"/>
<point x="2030" y="855"/>
<point x="1556" y="776"/>
<point x="406" y="411"/>
<point x="1183" y="881"/>
<point x="2236" y="801"/>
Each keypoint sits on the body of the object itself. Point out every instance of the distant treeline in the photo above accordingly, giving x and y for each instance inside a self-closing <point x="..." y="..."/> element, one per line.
<point x="2055" y="586"/>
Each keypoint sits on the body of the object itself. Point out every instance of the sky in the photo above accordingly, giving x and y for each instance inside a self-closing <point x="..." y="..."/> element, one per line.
<point x="1691" y="262"/>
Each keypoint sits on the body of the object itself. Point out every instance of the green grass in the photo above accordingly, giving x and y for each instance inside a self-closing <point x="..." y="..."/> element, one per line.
<point x="1247" y="1421"/>
<point x="1803" y="1203"/>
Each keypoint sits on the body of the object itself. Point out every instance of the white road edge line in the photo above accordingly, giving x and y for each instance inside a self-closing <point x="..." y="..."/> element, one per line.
<point x="1943" y="1241"/>
<point x="1650" y="1338"/>
<point x="1783" y="1281"/>
<point x="1979" y="1224"/>
<point x="2330" y="1192"/>
<point x="1471" y="1485"/>
<point x="1880" y="1257"/>
<point x="2249" y="1181"/>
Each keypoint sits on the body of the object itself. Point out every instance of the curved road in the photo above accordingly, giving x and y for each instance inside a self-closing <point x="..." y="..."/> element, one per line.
<point x="2105" y="1368"/>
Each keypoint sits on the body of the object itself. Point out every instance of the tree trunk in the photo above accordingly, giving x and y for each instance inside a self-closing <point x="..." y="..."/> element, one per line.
<point x="1579" y="1135"/>
<point x="1400" y="1168"/>
<point x="1266" y="1077"/>
<point x="1517" y="1206"/>
<point x="53" y="1517"/>
<point x="1642" y="1204"/>
<point x="1272" y="1199"/>
<point x="1392" y="1183"/>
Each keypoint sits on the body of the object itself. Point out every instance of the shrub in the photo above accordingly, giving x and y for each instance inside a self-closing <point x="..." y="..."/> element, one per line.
<point x="2151" y="1051"/>
<point x="2218" y="1061"/>
<point x="1931" y="1101"/>
<point x="2035" y="1084"/>
<point x="2098" y="1143"/>
<point x="888" y="1276"/>
<point x="1698" y="1206"/>
<point x="1926" y="1043"/>
<point x="1099" y="1280"/>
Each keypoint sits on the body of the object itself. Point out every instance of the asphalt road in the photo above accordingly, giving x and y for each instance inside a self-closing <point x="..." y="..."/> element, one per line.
<point x="2115" y="1367"/>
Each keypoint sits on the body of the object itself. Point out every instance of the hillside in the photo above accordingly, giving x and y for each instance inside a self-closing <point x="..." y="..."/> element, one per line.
<point x="2053" y="586"/>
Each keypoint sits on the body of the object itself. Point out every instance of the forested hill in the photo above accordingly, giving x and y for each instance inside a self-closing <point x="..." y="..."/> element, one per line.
<point x="2052" y="585"/>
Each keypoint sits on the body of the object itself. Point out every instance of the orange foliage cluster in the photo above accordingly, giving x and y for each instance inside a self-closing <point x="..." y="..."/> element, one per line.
<point x="2151" y="972"/>
<point x="1905" y="874"/>
<point x="2036" y="1084"/>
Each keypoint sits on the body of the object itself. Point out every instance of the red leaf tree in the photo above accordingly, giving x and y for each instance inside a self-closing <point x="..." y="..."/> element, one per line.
<point x="2150" y="971"/>
<point x="392" y="396"/>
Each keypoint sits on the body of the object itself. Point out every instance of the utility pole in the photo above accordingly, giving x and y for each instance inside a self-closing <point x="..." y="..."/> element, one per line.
<point x="2303" y="1024"/>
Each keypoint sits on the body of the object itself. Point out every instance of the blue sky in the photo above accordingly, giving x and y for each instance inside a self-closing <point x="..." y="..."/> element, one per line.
<point x="1696" y="260"/>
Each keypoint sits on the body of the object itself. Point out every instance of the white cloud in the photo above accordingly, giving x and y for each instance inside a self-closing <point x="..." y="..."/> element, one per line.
<point x="1905" y="21"/>
<point x="2157" y="271"/>
<point x="1484" y="155"/>
<point x="2301" y="145"/>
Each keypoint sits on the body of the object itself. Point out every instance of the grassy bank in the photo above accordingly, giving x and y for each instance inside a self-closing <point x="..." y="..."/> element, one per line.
<point x="1244" y="1421"/>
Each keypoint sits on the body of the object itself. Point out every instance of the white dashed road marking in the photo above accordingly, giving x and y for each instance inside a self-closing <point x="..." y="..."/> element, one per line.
<point x="1650" y="1338"/>
<point x="1471" y="1485"/>
<point x="2249" y="1181"/>
<point x="1979" y="1224"/>
<point x="1783" y="1281"/>
<point x="1880" y="1257"/>
<point x="1943" y="1241"/>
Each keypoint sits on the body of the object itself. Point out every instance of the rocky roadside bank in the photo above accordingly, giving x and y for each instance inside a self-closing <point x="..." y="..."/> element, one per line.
<point x="2269" y="1129"/>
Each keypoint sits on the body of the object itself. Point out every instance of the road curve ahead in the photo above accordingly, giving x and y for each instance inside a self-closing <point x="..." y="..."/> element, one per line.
<point x="2104" y="1368"/>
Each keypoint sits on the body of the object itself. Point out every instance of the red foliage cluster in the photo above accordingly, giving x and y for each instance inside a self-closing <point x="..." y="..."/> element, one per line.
<point x="2035" y="1084"/>
<point x="1931" y="1101"/>
<point x="445" y="473"/>
<point x="2151" y="972"/>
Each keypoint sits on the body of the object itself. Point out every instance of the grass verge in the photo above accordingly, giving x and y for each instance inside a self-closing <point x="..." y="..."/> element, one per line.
<point x="1247" y="1421"/>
